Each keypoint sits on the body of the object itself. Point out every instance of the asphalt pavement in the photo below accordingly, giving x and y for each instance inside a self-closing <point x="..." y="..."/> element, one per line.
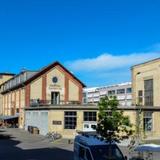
<point x="17" y="144"/>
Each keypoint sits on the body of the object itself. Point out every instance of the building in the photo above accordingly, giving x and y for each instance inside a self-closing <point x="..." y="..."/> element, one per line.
<point x="51" y="100"/>
<point x="52" y="85"/>
<point x="90" y="95"/>
<point x="3" y="78"/>
<point x="146" y="95"/>
<point x="122" y="91"/>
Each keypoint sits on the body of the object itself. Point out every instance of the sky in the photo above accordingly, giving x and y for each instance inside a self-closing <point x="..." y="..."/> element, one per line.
<point x="97" y="40"/>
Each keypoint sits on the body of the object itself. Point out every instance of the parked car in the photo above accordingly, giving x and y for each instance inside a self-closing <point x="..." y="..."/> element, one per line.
<point x="89" y="126"/>
<point x="88" y="147"/>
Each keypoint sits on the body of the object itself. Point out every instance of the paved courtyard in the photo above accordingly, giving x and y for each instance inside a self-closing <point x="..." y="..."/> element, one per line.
<point x="16" y="144"/>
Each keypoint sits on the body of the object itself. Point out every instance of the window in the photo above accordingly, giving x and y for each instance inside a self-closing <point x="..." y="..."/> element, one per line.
<point x="120" y="91"/>
<point x="86" y="125"/>
<point x="140" y="97"/>
<point x="147" y="121"/>
<point x="84" y="100"/>
<point x="84" y="94"/>
<point x="88" y="155"/>
<point x="70" y="120"/>
<point x="111" y="92"/>
<point x="148" y="92"/>
<point x="106" y="152"/>
<point x="129" y="90"/>
<point x="84" y="97"/>
<point x="84" y="153"/>
<point x="90" y="116"/>
<point x="93" y="126"/>
<point x="55" y="98"/>
<point x="81" y="152"/>
<point x="17" y="110"/>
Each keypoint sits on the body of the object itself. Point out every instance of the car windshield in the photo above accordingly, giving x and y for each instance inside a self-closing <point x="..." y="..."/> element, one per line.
<point x="106" y="152"/>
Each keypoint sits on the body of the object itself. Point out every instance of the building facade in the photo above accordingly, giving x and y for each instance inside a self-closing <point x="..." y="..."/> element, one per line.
<point x="67" y="120"/>
<point x="52" y="99"/>
<point x="122" y="91"/>
<point x="146" y="95"/>
<point x="52" y="85"/>
<point x="3" y="78"/>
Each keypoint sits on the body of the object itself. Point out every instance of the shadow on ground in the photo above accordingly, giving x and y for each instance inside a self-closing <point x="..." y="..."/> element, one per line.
<point x="10" y="151"/>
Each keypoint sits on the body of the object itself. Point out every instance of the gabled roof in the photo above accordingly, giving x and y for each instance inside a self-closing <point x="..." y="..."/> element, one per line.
<point x="47" y="68"/>
<point x="41" y="72"/>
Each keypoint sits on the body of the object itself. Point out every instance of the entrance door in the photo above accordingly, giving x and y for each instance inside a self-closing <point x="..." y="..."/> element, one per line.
<point x="55" y="98"/>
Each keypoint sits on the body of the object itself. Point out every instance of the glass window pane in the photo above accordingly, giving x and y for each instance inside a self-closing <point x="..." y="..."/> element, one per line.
<point x="120" y="91"/>
<point x="70" y="120"/>
<point x="148" y="92"/>
<point x="90" y="116"/>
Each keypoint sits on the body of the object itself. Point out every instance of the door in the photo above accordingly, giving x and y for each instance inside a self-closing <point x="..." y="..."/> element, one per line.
<point x="43" y="122"/>
<point x="37" y="119"/>
<point x="55" y="98"/>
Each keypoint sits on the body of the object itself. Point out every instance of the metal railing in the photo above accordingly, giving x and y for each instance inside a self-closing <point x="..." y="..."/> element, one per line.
<point x="39" y="102"/>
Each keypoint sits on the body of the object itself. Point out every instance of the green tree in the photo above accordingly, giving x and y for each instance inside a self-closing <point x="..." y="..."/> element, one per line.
<point x="112" y="124"/>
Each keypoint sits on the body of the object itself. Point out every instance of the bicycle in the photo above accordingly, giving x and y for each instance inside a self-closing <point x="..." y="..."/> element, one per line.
<point x="53" y="136"/>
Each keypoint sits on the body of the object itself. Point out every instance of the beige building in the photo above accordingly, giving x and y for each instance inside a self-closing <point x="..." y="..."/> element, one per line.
<point x="146" y="96"/>
<point x="3" y="78"/>
<point x="66" y="119"/>
<point x="52" y="85"/>
<point x="51" y="100"/>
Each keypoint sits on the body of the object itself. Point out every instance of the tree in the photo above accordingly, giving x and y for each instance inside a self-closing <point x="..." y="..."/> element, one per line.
<point x="112" y="124"/>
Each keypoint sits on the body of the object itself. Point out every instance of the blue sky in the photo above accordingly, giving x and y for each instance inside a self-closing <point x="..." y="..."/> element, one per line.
<point x="98" y="40"/>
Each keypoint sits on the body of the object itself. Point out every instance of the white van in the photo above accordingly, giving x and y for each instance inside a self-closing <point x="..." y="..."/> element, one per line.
<point x="89" y="126"/>
<point x="92" y="148"/>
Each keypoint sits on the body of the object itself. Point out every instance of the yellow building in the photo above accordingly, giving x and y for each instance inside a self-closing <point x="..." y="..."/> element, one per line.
<point x="66" y="119"/>
<point x="52" y="85"/>
<point x="51" y="100"/>
<point x="3" y="78"/>
<point x="146" y="96"/>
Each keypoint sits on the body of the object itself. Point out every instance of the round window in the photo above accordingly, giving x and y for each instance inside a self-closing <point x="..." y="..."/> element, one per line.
<point x="54" y="79"/>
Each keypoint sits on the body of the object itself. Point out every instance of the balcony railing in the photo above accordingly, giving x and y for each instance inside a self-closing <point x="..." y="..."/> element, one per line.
<point x="39" y="102"/>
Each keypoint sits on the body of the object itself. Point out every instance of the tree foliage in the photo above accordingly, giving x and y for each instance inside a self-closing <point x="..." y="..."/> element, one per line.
<point x="112" y="124"/>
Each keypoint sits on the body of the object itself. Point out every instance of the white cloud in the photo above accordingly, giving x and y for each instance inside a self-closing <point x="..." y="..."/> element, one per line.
<point x="108" y="62"/>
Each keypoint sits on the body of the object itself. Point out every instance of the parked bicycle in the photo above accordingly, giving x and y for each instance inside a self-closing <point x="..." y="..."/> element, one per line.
<point x="52" y="136"/>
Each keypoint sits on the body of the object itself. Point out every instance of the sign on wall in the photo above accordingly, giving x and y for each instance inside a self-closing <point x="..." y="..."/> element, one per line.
<point x="57" y="122"/>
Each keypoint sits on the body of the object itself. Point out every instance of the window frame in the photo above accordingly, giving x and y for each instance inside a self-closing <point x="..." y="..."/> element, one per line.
<point x="111" y="92"/>
<point x="90" y="116"/>
<point x="118" y="91"/>
<point x="129" y="90"/>
<point x="148" y="92"/>
<point x="148" y="118"/>
<point x="70" y="120"/>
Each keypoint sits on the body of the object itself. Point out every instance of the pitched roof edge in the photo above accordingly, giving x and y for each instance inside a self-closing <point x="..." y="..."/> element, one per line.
<point x="149" y="61"/>
<point x="47" y="68"/>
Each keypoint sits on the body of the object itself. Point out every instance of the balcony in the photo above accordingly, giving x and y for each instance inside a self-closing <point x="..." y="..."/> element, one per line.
<point x="39" y="102"/>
